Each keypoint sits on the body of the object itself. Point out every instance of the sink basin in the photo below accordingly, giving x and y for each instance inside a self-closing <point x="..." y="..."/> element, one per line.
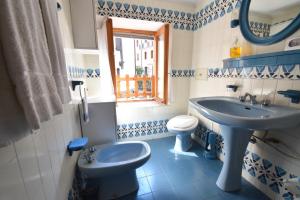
<point x="238" y="121"/>
<point x="232" y="112"/>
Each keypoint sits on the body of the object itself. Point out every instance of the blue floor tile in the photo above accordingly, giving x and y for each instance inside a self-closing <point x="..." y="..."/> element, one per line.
<point x="135" y="196"/>
<point x="184" y="176"/>
<point x="144" y="187"/>
<point x="145" y="197"/>
<point x="171" y="176"/>
<point x="159" y="182"/>
<point x="165" y="194"/>
<point x="152" y="168"/>
<point x="140" y="173"/>
<point x="187" y="192"/>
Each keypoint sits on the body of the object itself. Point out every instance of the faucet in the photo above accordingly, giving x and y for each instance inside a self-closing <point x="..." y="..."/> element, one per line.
<point x="88" y="156"/>
<point x="252" y="98"/>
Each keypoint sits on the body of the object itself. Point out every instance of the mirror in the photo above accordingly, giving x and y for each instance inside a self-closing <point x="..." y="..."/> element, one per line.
<point x="269" y="21"/>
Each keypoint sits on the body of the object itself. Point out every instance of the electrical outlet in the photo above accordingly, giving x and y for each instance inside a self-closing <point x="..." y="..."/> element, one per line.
<point x="201" y="74"/>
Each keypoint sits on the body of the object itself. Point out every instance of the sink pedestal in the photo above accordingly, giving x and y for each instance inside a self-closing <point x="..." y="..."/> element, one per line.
<point x="235" y="144"/>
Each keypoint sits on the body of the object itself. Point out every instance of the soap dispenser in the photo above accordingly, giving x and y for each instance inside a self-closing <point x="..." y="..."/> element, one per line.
<point x="235" y="50"/>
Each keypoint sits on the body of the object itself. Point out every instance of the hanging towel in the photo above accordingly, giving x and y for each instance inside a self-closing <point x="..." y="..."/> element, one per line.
<point x="13" y="125"/>
<point x="56" y="51"/>
<point x="85" y="106"/>
<point x="33" y="57"/>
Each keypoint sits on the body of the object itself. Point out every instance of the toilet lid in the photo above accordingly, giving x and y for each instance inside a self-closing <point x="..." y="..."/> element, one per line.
<point x="183" y="122"/>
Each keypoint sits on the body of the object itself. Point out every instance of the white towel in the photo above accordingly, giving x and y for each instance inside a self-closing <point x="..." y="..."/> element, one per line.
<point x="33" y="57"/>
<point x="85" y="107"/>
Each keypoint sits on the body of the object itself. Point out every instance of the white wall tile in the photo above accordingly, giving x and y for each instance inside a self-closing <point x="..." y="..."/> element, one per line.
<point x="269" y="89"/>
<point x="283" y="85"/>
<point x="29" y="168"/>
<point x="44" y="163"/>
<point x="246" y="86"/>
<point x="37" y="166"/>
<point x="11" y="182"/>
<point x="208" y="52"/>
<point x="257" y="88"/>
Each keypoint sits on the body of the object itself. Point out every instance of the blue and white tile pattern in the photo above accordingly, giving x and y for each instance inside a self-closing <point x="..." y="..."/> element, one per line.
<point x="76" y="72"/>
<point x="140" y="129"/>
<point x="182" y="72"/>
<point x="291" y="72"/>
<point x="260" y="168"/>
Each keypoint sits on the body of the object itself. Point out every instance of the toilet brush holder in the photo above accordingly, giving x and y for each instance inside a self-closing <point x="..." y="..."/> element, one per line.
<point x="210" y="147"/>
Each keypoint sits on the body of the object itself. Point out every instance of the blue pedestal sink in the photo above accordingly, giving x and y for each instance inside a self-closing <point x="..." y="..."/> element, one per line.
<point x="238" y="120"/>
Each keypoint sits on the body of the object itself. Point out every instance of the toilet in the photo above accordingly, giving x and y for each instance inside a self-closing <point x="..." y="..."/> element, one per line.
<point x="182" y="126"/>
<point x="112" y="167"/>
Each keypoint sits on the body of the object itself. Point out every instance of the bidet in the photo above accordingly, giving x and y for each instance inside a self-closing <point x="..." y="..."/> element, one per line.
<point x="113" y="166"/>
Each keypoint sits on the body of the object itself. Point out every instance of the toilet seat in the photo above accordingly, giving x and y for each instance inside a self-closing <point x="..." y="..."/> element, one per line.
<point x="182" y="123"/>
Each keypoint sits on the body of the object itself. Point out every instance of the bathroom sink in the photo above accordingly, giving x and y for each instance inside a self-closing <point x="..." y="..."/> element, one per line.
<point x="238" y="120"/>
<point x="231" y="112"/>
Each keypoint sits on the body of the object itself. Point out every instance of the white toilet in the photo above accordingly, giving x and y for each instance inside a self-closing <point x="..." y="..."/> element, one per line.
<point x="183" y="126"/>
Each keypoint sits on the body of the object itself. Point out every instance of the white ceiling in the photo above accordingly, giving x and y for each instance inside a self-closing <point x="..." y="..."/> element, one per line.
<point x="269" y="6"/>
<point x="135" y="24"/>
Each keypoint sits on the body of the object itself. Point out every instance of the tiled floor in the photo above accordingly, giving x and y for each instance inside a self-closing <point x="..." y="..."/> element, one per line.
<point x="169" y="176"/>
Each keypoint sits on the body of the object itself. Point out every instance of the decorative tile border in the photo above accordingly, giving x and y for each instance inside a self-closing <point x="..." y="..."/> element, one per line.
<point x="268" y="174"/>
<point x="258" y="72"/>
<point x="260" y="29"/>
<point x="258" y="167"/>
<point x="75" y="72"/>
<point x="187" y="73"/>
<point x="202" y="132"/>
<point x="214" y="11"/>
<point x="179" y="19"/>
<point x="93" y="73"/>
<point x="140" y="129"/>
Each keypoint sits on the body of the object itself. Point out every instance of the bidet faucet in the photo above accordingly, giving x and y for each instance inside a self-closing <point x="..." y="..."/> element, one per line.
<point x="88" y="158"/>
<point x="252" y="98"/>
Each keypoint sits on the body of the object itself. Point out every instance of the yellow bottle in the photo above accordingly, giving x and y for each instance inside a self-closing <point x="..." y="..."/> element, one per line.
<point x="236" y="50"/>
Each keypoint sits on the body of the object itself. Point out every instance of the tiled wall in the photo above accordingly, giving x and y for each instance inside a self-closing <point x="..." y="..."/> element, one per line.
<point x="143" y="130"/>
<point x="211" y="46"/>
<point x="180" y="19"/>
<point x="180" y="15"/>
<point x="37" y="167"/>
<point x="280" y="72"/>
<point x="75" y="72"/>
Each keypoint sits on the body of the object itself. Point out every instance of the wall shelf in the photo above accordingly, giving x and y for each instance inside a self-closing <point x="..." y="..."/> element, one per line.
<point x="277" y="58"/>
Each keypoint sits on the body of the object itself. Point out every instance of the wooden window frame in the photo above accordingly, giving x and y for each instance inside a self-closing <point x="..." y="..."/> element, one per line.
<point x="155" y="35"/>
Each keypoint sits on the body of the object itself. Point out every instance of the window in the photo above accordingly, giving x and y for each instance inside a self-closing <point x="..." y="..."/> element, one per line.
<point x="141" y="78"/>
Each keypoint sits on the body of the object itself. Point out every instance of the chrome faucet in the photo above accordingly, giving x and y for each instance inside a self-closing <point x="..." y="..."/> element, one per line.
<point x="88" y="156"/>
<point x="252" y="98"/>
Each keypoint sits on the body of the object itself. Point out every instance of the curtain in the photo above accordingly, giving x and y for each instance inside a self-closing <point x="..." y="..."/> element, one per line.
<point x="106" y="86"/>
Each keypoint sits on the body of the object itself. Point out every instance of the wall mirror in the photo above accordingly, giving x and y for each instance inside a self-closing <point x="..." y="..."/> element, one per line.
<point x="266" y="22"/>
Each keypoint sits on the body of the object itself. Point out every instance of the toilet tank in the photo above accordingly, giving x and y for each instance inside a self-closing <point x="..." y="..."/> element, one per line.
<point x="101" y="127"/>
